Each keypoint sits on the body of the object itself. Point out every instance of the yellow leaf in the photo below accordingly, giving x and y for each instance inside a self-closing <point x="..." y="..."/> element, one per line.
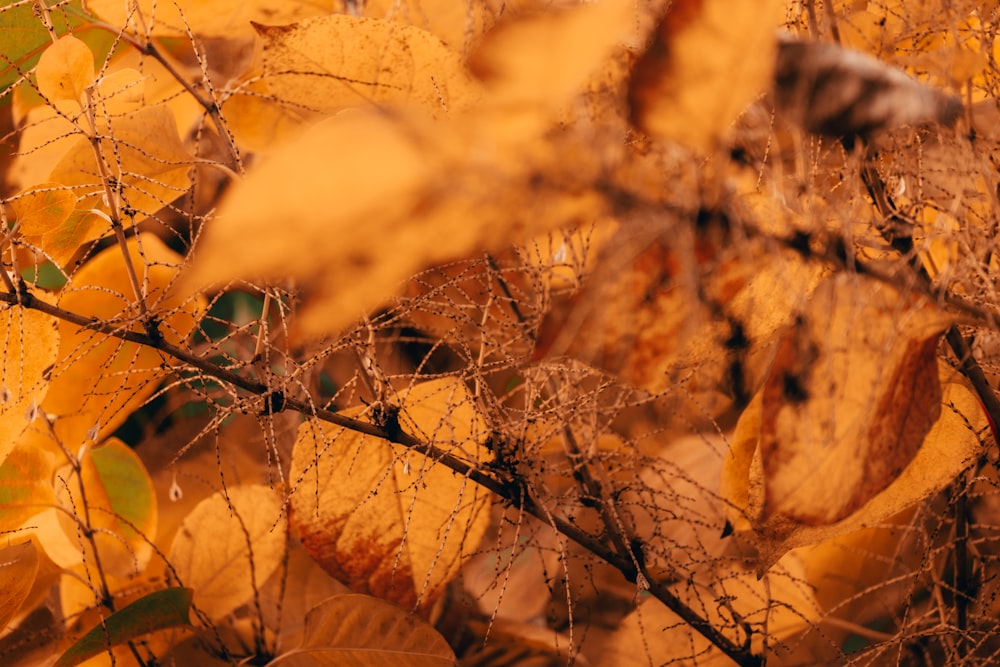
<point x="44" y="139"/>
<point x="142" y="152"/>
<point x="99" y="379"/>
<point x="709" y="60"/>
<point x="227" y="548"/>
<point x="331" y="62"/>
<point x="398" y="194"/>
<point x="65" y="69"/>
<point x="525" y="62"/>
<point x="290" y="593"/>
<point x="385" y="520"/>
<point x="457" y="24"/>
<point x="25" y="485"/>
<point x="219" y="18"/>
<point x="42" y="208"/>
<point x="18" y="568"/>
<point x="363" y="631"/>
<point x="120" y="92"/>
<point x="29" y="341"/>
<point x="120" y="505"/>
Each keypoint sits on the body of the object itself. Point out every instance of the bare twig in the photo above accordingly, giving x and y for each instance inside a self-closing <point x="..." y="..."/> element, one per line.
<point x="622" y="561"/>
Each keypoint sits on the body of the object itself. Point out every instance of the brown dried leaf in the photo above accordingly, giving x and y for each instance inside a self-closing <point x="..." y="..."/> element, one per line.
<point x="830" y="90"/>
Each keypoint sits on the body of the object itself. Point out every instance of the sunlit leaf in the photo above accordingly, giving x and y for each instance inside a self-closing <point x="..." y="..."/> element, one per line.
<point x="331" y="62"/>
<point x="100" y="379"/>
<point x="226" y="548"/>
<point x="380" y="525"/>
<point x="709" y="60"/>
<point x="159" y="610"/>
<point x="42" y="208"/>
<point x="29" y="343"/>
<point x="363" y="631"/>
<point x="150" y="174"/>
<point x="25" y="485"/>
<point x="18" y="568"/>
<point x="120" y="504"/>
<point x="65" y="70"/>
<point x="230" y="18"/>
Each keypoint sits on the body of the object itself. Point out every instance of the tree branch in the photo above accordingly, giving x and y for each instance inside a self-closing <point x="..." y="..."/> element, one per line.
<point x="623" y="562"/>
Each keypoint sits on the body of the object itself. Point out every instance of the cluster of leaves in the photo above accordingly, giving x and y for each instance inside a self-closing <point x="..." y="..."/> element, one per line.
<point x="501" y="333"/>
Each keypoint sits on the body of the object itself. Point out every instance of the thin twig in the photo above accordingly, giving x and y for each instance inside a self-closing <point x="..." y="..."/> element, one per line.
<point x="623" y="562"/>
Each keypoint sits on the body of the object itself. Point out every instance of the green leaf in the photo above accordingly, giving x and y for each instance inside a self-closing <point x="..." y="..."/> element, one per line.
<point x="25" y="37"/>
<point x="157" y="611"/>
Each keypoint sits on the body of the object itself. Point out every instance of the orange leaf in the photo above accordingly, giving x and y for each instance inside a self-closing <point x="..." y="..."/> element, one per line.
<point x="709" y="60"/>
<point x="219" y="18"/>
<point x="363" y="631"/>
<point x="382" y="519"/>
<point x="224" y="557"/>
<point x="18" y="568"/>
<point x="65" y="69"/>
<point x="29" y="341"/>
<point x="851" y="394"/>
<point x="330" y="62"/>
<point x="121" y="505"/>
<point x="142" y="152"/>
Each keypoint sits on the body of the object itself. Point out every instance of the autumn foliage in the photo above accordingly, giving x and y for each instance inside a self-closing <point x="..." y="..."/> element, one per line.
<point x="499" y="333"/>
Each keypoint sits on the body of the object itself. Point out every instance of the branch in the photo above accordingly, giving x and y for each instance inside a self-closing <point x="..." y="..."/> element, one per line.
<point x="510" y="492"/>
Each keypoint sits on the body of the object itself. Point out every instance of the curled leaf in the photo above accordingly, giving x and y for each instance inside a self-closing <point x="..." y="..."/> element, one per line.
<point x="830" y="90"/>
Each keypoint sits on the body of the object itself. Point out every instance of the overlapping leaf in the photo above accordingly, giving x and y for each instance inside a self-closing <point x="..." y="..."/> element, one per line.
<point x="120" y="506"/>
<point x="402" y="193"/>
<point x="228" y="545"/>
<point x="949" y="446"/>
